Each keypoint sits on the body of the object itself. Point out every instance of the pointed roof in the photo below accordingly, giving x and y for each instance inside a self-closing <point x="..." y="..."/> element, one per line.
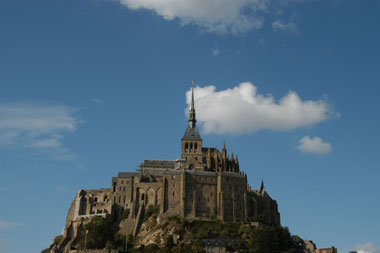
<point x="262" y="188"/>
<point x="191" y="132"/>
<point x="192" y="119"/>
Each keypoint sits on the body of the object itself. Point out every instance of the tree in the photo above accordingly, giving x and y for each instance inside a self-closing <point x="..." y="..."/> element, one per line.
<point x="269" y="240"/>
<point x="169" y="243"/>
<point x="100" y="231"/>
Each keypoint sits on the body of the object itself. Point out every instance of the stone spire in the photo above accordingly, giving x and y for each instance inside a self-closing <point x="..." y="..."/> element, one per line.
<point x="224" y="151"/>
<point x="262" y="188"/>
<point x="237" y="163"/>
<point x="191" y="130"/>
<point x="192" y="119"/>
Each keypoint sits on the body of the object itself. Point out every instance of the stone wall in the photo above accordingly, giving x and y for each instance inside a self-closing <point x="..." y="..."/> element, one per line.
<point x="93" y="251"/>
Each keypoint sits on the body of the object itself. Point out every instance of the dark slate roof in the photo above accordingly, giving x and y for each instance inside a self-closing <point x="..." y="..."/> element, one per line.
<point x="127" y="174"/>
<point x="205" y="149"/>
<point x="213" y="242"/>
<point x="158" y="163"/>
<point x="191" y="134"/>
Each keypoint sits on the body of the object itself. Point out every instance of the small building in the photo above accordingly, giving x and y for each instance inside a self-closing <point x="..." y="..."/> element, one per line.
<point x="327" y="250"/>
<point x="214" y="246"/>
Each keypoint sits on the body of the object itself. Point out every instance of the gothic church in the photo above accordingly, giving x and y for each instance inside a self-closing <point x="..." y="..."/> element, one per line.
<point x="204" y="183"/>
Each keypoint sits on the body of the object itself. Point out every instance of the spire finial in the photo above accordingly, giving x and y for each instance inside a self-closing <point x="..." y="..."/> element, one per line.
<point x="192" y="119"/>
<point x="262" y="188"/>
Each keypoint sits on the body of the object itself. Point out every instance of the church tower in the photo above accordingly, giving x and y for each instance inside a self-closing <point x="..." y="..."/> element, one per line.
<point x="191" y="142"/>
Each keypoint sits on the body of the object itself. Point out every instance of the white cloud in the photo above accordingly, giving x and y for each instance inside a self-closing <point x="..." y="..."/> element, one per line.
<point x="38" y="127"/>
<point x="241" y="110"/>
<point x="290" y="26"/>
<point x="221" y="16"/>
<point x="215" y="52"/>
<point x="98" y="101"/>
<point x="7" y="224"/>
<point x="366" y="248"/>
<point x="314" y="145"/>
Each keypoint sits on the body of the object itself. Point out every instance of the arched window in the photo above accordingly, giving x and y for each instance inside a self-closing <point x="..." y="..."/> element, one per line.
<point x="191" y="147"/>
<point x="195" y="147"/>
<point x="186" y="147"/>
<point x="96" y="199"/>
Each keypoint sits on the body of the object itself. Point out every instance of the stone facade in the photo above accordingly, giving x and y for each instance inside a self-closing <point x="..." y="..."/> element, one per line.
<point x="203" y="183"/>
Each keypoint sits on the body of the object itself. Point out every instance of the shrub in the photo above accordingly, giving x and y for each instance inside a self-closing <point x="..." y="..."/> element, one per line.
<point x="260" y="218"/>
<point x="151" y="248"/>
<point x="100" y="231"/>
<point x="273" y="239"/>
<point x="169" y="243"/>
<point x="152" y="211"/>
<point x="125" y="214"/>
<point x="57" y="240"/>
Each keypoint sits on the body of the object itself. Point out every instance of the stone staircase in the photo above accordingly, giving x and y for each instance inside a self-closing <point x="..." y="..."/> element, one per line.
<point x="139" y="219"/>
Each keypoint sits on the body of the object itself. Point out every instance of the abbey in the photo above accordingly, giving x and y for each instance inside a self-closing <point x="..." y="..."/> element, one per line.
<point x="203" y="183"/>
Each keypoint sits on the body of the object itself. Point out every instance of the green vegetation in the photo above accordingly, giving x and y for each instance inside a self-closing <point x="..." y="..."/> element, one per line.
<point x="273" y="239"/>
<point x="101" y="234"/>
<point x="259" y="218"/>
<point x="100" y="231"/>
<point x="238" y="237"/>
<point x="241" y="236"/>
<point x="207" y="229"/>
<point x="151" y="211"/>
<point x="125" y="214"/>
<point x="57" y="240"/>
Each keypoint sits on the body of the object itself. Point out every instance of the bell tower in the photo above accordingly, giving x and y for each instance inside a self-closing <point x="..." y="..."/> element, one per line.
<point x="191" y="142"/>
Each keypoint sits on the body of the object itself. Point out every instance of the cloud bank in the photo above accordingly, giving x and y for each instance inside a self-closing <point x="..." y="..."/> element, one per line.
<point x="290" y="26"/>
<point x="37" y="127"/>
<point x="314" y="146"/>
<point x="366" y="248"/>
<point x="243" y="110"/>
<point x="7" y="224"/>
<point x="220" y="16"/>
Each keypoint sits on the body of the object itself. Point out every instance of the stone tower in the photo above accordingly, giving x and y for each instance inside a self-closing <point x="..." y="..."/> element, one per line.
<point x="191" y="142"/>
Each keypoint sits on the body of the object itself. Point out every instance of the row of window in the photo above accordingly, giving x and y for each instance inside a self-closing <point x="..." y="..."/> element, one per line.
<point x="190" y="147"/>
<point x="114" y="199"/>
<point x="208" y="200"/>
<point x="126" y="182"/>
<point x="207" y="179"/>
<point x="121" y="188"/>
<point x="231" y="179"/>
<point x="201" y="193"/>
<point x="96" y="199"/>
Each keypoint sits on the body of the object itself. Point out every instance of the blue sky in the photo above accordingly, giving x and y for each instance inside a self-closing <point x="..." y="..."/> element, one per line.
<point x="89" y="88"/>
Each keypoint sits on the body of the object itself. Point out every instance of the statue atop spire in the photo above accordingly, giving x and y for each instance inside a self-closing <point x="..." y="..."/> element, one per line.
<point x="191" y="130"/>
<point x="262" y="188"/>
<point x="192" y="119"/>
